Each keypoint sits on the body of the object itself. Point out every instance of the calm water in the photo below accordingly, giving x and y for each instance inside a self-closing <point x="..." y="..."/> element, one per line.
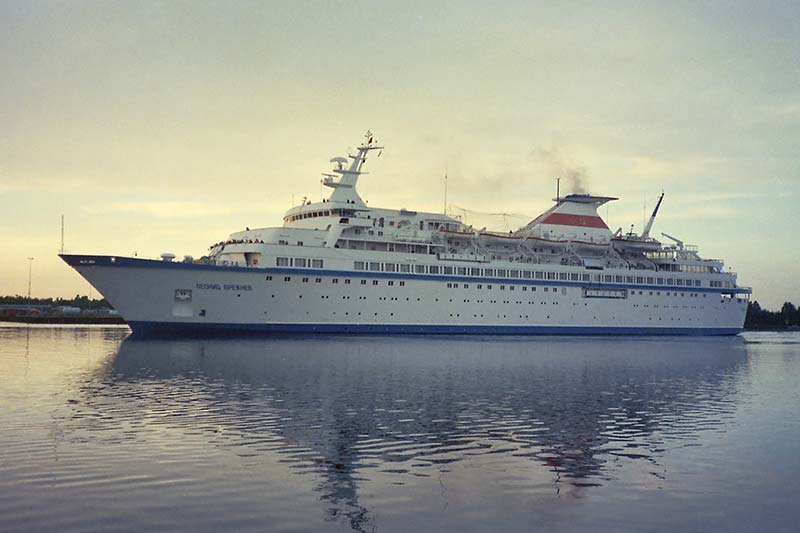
<point x="397" y="434"/>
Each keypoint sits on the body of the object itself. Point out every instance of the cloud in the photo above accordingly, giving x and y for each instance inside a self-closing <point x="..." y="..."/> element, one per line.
<point x="164" y="209"/>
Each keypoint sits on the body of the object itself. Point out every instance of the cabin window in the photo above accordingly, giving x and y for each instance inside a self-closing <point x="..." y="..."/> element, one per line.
<point x="462" y="271"/>
<point x="475" y="271"/>
<point x="433" y="269"/>
<point x="501" y="272"/>
<point x="299" y="262"/>
<point x="359" y="265"/>
<point x="405" y="268"/>
<point x="447" y="270"/>
<point x="282" y="261"/>
<point x="375" y="267"/>
<point x="419" y="269"/>
<point x="389" y="267"/>
<point x="563" y="276"/>
<point x="488" y="272"/>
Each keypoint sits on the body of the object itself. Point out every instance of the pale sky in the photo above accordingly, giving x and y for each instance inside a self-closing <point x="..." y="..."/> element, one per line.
<point x="165" y="126"/>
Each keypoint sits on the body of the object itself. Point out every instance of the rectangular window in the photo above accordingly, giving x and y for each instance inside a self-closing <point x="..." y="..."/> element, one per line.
<point x="488" y="272"/>
<point x="586" y="277"/>
<point x="376" y="267"/>
<point x="527" y="274"/>
<point x="282" y="261"/>
<point x="335" y="280"/>
<point x="363" y="282"/>
<point x="639" y="279"/>
<point x="347" y="281"/>
<point x="359" y="265"/>
<point x="462" y="271"/>
<point x="619" y="279"/>
<point x="405" y="268"/>
<point x="551" y="275"/>
<point x="447" y="270"/>
<point x="513" y="273"/>
<point x="474" y="271"/>
<point x="650" y="280"/>
<point x="300" y="262"/>
<point x="575" y="277"/>
<point x="608" y="279"/>
<point x="562" y="276"/>
<point x="316" y="263"/>
<point x="540" y="275"/>
<point x="419" y="269"/>
<point x="433" y="269"/>
<point x="389" y="267"/>
<point x="501" y="272"/>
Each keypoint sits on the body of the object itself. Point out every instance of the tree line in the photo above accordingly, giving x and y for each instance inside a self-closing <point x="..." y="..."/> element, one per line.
<point x="758" y="317"/>
<point x="82" y="302"/>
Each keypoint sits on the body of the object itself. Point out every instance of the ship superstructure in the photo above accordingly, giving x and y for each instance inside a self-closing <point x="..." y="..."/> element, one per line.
<point x="341" y="266"/>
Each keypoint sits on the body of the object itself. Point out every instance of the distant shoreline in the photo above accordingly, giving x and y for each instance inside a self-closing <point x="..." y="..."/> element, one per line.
<point x="63" y="319"/>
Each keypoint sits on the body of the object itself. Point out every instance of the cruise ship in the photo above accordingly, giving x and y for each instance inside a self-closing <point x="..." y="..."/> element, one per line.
<point x="341" y="266"/>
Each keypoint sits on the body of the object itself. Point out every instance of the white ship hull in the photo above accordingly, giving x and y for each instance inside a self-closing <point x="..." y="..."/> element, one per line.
<point x="166" y="298"/>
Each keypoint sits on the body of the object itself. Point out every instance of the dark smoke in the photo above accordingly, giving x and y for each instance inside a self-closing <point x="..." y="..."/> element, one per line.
<point x="573" y="176"/>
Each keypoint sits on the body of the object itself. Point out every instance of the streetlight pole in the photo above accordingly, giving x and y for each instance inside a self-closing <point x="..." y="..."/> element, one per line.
<point x="30" y="267"/>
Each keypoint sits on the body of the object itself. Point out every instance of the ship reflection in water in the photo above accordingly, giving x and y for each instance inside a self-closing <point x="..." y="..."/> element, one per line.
<point x="562" y="414"/>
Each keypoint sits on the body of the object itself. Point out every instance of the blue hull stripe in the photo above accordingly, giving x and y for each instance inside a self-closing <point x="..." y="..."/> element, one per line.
<point x="182" y="329"/>
<point x="132" y="262"/>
